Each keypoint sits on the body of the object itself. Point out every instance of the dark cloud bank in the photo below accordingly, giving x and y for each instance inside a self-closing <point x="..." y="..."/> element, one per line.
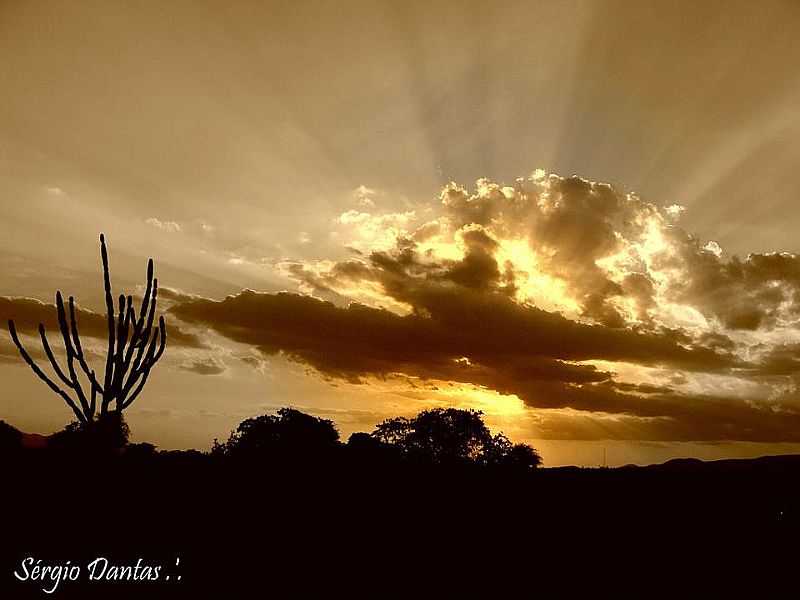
<point x="489" y="340"/>
<point x="28" y="313"/>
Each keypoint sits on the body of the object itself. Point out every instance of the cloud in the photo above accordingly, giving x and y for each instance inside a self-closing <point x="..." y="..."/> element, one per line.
<point x="55" y="191"/>
<point x="27" y="313"/>
<point x="779" y="360"/>
<point x="371" y="231"/>
<point x="567" y="228"/>
<point x="174" y="295"/>
<point x="589" y="250"/>
<point x="312" y="283"/>
<point x="254" y="360"/>
<point x="9" y="355"/>
<point x="364" y="196"/>
<point x="493" y="343"/>
<point x="675" y="210"/>
<point x="486" y="329"/>
<point x="168" y="226"/>
<point x="205" y="366"/>
<point x="714" y="248"/>
<point x="721" y="419"/>
<point x="574" y="296"/>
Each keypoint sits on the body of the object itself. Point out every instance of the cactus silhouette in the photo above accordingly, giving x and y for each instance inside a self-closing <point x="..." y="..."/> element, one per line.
<point x="134" y="347"/>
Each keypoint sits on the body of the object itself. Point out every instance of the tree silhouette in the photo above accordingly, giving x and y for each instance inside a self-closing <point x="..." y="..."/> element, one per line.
<point x="440" y="435"/>
<point x="522" y="456"/>
<point x="451" y="435"/>
<point x="290" y="433"/>
<point x="134" y="347"/>
<point x="501" y="452"/>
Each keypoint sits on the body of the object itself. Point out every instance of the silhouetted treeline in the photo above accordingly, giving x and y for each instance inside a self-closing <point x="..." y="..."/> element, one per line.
<point x="284" y="508"/>
<point x="447" y="438"/>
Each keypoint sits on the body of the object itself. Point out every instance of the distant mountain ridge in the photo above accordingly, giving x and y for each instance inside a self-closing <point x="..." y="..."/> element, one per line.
<point x="694" y="464"/>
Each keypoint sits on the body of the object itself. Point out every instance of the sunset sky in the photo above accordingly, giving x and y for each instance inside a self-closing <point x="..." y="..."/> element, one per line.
<point x="578" y="217"/>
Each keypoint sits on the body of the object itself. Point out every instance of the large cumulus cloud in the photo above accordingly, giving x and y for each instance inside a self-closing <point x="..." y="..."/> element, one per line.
<point x="620" y="258"/>
<point x="525" y="289"/>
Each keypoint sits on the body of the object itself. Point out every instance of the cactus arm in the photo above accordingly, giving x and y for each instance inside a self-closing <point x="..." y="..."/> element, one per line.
<point x="49" y="353"/>
<point x="136" y="392"/>
<point x="123" y="324"/>
<point x="162" y="327"/>
<point x="146" y="299"/>
<point x="147" y="365"/>
<point x="65" y="333"/>
<point x="93" y="403"/>
<point x="151" y="358"/>
<point x="138" y="371"/>
<point x="73" y="323"/>
<point x="107" y="392"/>
<point x="145" y="337"/>
<point x="40" y="374"/>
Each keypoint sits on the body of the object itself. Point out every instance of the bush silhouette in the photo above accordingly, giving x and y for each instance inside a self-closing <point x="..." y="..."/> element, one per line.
<point x="107" y="433"/>
<point x="10" y="438"/>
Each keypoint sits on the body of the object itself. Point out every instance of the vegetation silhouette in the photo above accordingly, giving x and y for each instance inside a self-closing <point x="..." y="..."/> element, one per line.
<point x="283" y="504"/>
<point x="290" y="434"/>
<point x="135" y="345"/>
<point x="451" y="436"/>
<point x="109" y="432"/>
<point x="438" y="437"/>
<point x="10" y="438"/>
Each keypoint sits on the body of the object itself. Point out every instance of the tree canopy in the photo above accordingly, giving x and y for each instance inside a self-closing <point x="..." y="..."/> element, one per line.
<point x="451" y="435"/>
<point x="288" y="431"/>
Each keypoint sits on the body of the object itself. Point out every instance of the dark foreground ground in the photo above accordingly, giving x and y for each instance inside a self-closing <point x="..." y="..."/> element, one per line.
<point x="350" y="528"/>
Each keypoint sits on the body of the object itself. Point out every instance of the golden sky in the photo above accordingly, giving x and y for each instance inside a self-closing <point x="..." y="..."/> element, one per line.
<point x="578" y="217"/>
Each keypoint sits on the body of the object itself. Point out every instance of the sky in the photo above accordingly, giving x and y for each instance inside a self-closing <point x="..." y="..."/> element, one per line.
<point x="577" y="217"/>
